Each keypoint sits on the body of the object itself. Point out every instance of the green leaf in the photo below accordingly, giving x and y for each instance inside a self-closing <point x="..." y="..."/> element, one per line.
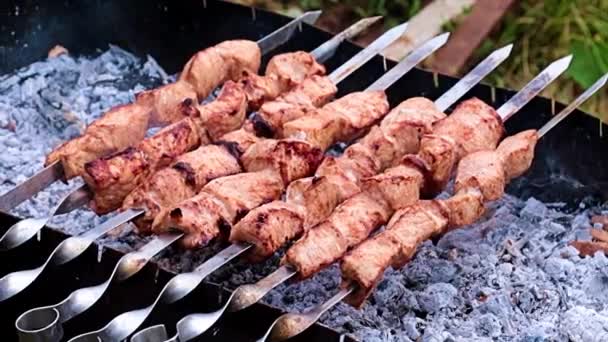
<point x="588" y="63"/>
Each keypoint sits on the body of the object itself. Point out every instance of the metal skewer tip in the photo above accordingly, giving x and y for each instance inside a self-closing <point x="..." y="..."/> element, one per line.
<point x="366" y="54"/>
<point x="324" y="51"/>
<point x="473" y="77"/>
<point x="534" y="87"/>
<point x="573" y="105"/>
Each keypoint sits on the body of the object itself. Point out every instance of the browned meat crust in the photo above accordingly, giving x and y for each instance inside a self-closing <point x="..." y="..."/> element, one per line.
<point x="481" y="176"/>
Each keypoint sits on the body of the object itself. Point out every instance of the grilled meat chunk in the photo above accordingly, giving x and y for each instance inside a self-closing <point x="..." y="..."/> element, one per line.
<point x="165" y="102"/>
<point x="339" y="120"/>
<point x="481" y="176"/>
<point x="283" y="72"/>
<point x="365" y="264"/>
<point x="473" y="125"/>
<point x="312" y="200"/>
<point x="291" y="158"/>
<point x="119" y="128"/>
<point x="351" y="222"/>
<point x="238" y="141"/>
<point x="311" y="93"/>
<point x="112" y="178"/>
<point x="220" y="204"/>
<point x="222" y="62"/>
<point x="226" y="113"/>
<point x="182" y="180"/>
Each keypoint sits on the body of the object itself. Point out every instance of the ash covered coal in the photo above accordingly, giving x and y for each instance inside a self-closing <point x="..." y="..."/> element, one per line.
<point x="511" y="276"/>
<point x="53" y="100"/>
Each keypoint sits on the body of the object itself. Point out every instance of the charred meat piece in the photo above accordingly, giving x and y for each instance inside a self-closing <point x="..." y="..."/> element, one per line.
<point x="313" y="92"/>
<point x="292" y="159"/>
<point x="481" y="176"/>
<point x="224" y="114"/>
<point x="222" y="62"/>
<point x="339" y="120"/>
<point x="182" y="180"/>
<point x="218" y="206"/>
<point x="112" y="178"/>
<point x="119" y="128"/>
<point x="283" y="72"/>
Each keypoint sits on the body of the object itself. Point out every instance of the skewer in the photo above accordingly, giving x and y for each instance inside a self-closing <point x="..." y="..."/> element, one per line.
<point x="40" y="322"/>
<point x="353" y="64"/>
<point x="246" y="295"/>
<point x="25" y="229"/>
<point x="290" y="325"/>
<point x="67" y="250"/>
<point x="54" y="172"/>
<point x="253" y="293"/>
<point x="181" y="285"/>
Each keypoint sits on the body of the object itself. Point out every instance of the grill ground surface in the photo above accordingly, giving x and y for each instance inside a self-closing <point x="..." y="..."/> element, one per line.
<point x="570" y="166"/>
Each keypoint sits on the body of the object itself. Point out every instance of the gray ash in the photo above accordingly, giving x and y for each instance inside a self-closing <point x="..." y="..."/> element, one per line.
<point x="511" y="276"/>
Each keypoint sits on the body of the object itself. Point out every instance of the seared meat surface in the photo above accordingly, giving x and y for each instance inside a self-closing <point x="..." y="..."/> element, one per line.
<point x="111" y="185"/>
<point x="121" y="127"/>
<point x="283" y="72"/>
<point x="481" y="176"/>
<point x="125" y="126"/>
<point x="220" y="203"/>
<point x="311" y="200"/>
<point x="184" y="179"/>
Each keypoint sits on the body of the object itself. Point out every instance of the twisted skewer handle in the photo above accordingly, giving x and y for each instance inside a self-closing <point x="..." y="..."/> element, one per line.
<point x="67" y="250"/>
<point x="25" y="229"/>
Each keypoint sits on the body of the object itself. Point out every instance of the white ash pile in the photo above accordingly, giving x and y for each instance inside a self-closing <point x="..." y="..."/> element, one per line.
<point x="53" y="100"/>
<point x="510" y="277"/>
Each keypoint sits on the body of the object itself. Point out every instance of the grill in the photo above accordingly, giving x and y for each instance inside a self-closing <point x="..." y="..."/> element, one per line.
<point x="568" y="166"/>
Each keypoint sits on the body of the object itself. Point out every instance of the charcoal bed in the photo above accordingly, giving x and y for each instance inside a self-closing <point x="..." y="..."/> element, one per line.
<point x="567" y="184"/>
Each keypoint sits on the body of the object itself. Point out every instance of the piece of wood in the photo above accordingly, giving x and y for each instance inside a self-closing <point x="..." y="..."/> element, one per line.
<point x="425" y="25"/>
<point x="484" y="17"/>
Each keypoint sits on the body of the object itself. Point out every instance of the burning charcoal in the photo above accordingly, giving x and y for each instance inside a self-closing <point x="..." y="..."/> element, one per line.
<point x="436" y="297"/>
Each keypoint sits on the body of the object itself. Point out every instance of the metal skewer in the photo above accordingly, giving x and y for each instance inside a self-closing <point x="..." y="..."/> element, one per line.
<point x="181" y="285"/>
<point x="23" y="230"/>
<point x="43" y="321"/>
<point x="54" y="172"/>
<point x="290" y="325"/>
<point x="67" y="250"/>
<point x="249" y="294"/>
<point x="354" y="63"/>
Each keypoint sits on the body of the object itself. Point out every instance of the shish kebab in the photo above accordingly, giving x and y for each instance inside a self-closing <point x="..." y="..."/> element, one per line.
<point x="472" y="126"/>
<point x="156" y="107"/>
<point x="252" y="89"/>
<point x="222" y="199"/>
<point x="113" y="178"/>
<point x="396" y="135"/>
<point x="480" y="177"/>
<point x="217" y="161"/>
<point x="467" y="126"/>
